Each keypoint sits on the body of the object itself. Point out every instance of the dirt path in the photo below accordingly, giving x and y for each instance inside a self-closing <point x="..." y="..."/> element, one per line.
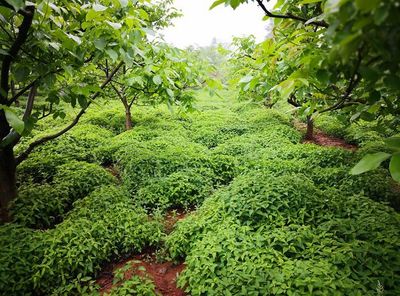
<point x="322" y="139"/>
<point x="163" y="275"/>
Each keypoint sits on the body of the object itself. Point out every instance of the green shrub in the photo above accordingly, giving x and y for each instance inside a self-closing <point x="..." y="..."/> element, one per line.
<point x="261" y="118"/>
<point x="188" y="231"/>
<point x="42" y="206"/>
<point x="113" y="118"/>
<point x="286" y="261"/>
<point x="313" y="155"/>
<point x="329" y="243"/>
<point x="225" y="168"/>
<point x="158" y="159"/>
<point x="330" y="125"/>
<point x="81" y="178"/>
<point x="212" y="136"/>
<point x="260" y="199"/>
<point x="79" y="144"/>
<point x="100" y="226"/>
<point x="357" y="134"/>
<point x="21" y="249"/>
<point x="182" y="189"/>
<point x="134" y="285"/>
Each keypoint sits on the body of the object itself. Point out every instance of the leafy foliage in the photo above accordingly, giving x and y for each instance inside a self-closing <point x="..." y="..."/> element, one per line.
<point x="100" y="225"/>
<point x="44" y="205"/>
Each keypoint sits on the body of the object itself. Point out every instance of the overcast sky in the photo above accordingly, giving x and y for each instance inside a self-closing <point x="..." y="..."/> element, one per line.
<point x="199" y="25"/>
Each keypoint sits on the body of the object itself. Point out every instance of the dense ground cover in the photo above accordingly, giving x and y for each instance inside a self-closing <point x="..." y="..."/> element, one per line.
<point x="270" y="215"/>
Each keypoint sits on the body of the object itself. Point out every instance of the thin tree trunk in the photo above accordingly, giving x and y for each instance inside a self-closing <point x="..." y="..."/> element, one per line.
<point x="8" y="188"/>
<point x="310" y="129"/>
<point x="128" y="119"/>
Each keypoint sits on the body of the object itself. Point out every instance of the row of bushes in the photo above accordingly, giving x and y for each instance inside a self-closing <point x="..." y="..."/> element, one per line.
<point x="101" y="226"/>
<point x="284" y="236"/>
<point x="44" y="205"/>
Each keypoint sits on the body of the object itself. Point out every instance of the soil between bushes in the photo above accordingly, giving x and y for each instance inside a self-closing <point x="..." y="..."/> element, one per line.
<point x="164" y="275"/>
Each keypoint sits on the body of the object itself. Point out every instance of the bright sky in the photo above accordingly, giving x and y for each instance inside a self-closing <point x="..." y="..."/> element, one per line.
<point x="199" y="25"/>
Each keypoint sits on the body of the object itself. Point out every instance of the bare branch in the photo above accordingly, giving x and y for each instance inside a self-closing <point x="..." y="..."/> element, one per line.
<point x="291" y="16"/>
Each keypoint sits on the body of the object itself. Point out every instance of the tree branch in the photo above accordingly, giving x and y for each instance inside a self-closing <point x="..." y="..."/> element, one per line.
<point x="45" y="139"/>
<point x="354" y="80"/>
<point x="23" y="29"/>
<point x="291" y="16"/>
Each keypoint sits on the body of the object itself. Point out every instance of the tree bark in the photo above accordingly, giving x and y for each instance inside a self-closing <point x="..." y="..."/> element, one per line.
<point x="8" y="188"/>
<point x="310" y="129"/>
<point x="128" y="119"/>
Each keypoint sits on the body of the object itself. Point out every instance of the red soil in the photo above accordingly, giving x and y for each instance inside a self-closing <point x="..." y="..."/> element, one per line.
<point x="323" y="139"/>
<point x="163" y="275"/>
<point x="171" y="218"/>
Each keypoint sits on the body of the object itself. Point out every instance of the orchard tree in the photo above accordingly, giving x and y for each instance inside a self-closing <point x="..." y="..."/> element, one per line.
<point x="49" y="54"/>
<point x="339" y="56"/>
<point x="161" y="74"/>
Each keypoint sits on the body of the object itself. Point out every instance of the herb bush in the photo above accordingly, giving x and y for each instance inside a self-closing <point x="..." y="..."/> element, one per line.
<point x="158" y="159"/>
<point x="282" y="235"/>
<point x="111" y="118"/>
<point x="39" y="206"/>
<point x="182" y="189"/>
<point x="79" y="144"/>
<point x="44" y="205"/>
<point x="330" y="125"/>
<point x="100" y="226"/>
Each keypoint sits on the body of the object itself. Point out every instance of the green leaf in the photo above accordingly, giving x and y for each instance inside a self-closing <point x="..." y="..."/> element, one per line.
<point x="246" y="79"/>
<point x="75" y="38"/>
<point x="100" y="43"/>
<point x="17" y="4"/>
<point x="116" y="26"/>
<point x="381" y="15"/>
<point x="21" y="73"/>
<point x="123" y="3"/>
<point x="369" y="162"/>
<point x="99" y="7"/>
<point x="393" y="143"/>
<point x="82" y="101"/>
<point x="170" y="92"/>
<point x="367" y="5"/>
<point x="157" y="80"/>
<point x="16" y="123"/>
<point x="216" y="3"/>
<point x="113" y="54"/>
<point x="310" y="1"/>
<point x="394" y="167"/>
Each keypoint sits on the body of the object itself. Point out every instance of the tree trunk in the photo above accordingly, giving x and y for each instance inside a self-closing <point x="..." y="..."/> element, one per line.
<point x="128" y="119"/>
<point x="8" y="188"/>
<point x="310" y="129"/>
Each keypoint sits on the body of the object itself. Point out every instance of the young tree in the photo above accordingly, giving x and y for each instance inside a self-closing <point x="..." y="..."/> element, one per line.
<point x="161" y="74"/>
<point x="49" y="54"/>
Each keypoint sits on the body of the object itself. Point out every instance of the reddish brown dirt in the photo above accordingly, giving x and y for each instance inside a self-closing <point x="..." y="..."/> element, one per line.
<point x="172" y="217"/>
<point x="163" y="275"/>
<point x="322" y="139"/>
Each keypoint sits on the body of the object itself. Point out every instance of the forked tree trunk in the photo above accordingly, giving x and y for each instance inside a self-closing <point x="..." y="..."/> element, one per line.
<point x="128" y="119"/>
<point x="8" y="188"/>
<point x="310" y="129"/>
